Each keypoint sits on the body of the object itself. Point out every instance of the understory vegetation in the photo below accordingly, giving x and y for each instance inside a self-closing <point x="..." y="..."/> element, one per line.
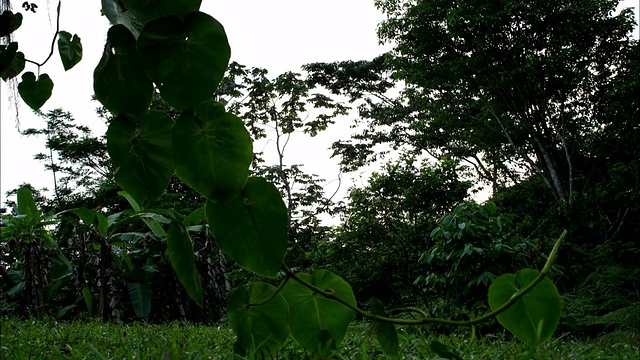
<point x="171" y="236"/>
<point x="92" y="339"/>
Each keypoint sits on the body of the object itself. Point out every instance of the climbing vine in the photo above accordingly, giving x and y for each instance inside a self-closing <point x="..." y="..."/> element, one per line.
<point x="173" y="49"/>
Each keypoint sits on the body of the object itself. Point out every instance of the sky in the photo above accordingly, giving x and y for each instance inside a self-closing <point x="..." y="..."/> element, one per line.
<point x="279" y="35"/>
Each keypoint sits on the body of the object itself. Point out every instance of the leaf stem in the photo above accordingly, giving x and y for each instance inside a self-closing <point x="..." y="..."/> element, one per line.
<point x="425" y="319"/>
<point x="53" y="42"/>
<point x="275" y="293"/>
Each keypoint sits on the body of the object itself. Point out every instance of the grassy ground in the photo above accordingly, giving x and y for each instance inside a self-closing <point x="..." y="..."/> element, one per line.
<point x="50" y="339"/>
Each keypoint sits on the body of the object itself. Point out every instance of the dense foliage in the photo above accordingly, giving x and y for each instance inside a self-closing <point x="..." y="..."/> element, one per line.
<point x="530" y="97"/>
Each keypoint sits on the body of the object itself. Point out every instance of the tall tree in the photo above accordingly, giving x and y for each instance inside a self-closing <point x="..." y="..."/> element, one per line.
<point x="504" y="85"/>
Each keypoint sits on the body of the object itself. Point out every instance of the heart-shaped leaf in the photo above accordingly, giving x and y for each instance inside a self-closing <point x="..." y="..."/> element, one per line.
<point x="140" y="148"/>
<point x="9" y="22"/>
<point x="261" y="329"/>
<point x="535" y="316"/>
<point x="183" y="261"/>
<point x="314" y="316"/>
<point x="186" y="59"/>
<point x="252" y="227"/>
<point x="212" y="151"/>
<point x="146" y="10"/>
<point x="70" y="49"/>
<point x="35" y="92"/>
<point x="386" y="332"/>
<point x="119" y="81"/>
<point x="11" y="61"/>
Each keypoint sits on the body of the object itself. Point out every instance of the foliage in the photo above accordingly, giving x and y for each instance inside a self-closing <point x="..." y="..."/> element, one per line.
<point x="386" y="225"/>
<point x="175" y="50"/>
<point x="510" y="82"/>
<point x="537" y="99"/>
<point x="30" y="256"/>
<point x="106" y="266"/>
<point x="590" y="312"/>
<point x="77" y="160"/>
<point x="471" y="246"/>
<point x="89" y="339"/>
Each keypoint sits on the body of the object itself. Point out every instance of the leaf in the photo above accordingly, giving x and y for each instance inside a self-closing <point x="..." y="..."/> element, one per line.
<point x="26" y="204"/>
<point x="146" y="10"/>
<point x="154" y="225"/>
<point x="15" y="68"/>
<point x="7" y="54"/>
<point x="113" y="10"/>
<point x="88" y="298"/>
<point x="9" y="22"/>
<point x="70" y="49"/>
<point x="212" y="151"/>
<point x="442" y="351"/>
<point x="252" y="227"/>
<point x="140" y="149"/>
<point x="119" y="81"/>
<point x="198" y="216"/>
<point x="186" y="59"/>
<point x="103" y="224"/>
<point x="386" y="332"/>
<point x="182" y="258"/>
<point x="262" y="328"/>
<point x="35" y="92"/>
<point x="312" y="314"/>
<point x="140" y="294"/>
<point x="534" y="317"/>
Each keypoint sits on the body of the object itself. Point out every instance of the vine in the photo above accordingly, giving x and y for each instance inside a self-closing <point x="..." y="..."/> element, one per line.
<point x="172" y="48"/>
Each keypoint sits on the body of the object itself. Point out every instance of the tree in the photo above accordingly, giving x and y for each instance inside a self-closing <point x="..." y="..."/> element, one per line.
<point x="77" y="160"/>
<point x="505" y="86"/>
<point x="386" y="226"/>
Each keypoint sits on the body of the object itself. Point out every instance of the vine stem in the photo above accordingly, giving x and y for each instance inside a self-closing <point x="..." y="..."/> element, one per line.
<point x="425" y="319"/>
<point x="275" y="293"/>
<point x="53" y="42"/>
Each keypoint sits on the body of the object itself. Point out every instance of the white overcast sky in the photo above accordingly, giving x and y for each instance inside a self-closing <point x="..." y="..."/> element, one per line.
<point x="279" y="35"/>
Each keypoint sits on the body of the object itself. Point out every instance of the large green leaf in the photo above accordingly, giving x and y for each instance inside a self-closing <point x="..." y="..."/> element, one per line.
<point x="140" y="149"/>
<point x="212" y="151"/>
<point x="252" y="227"/>
<point x="26" y="204"/>
<point x="386" y="332"/>
<point x="119" y="81"/>
<point x="146" y="10"/>
<point x="70" y="49"/>
<point x="186" y="59"/>
<point x="313" y="316"/>
<point x="35" y="92"/>
<point x="182" y="258"/>
<point x="140" y="294"/>
<point x="262" y="328"/>
<point x="534" y="317"/>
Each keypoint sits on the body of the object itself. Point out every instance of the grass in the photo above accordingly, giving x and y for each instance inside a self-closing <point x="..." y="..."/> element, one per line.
<point x="92" y="339"/>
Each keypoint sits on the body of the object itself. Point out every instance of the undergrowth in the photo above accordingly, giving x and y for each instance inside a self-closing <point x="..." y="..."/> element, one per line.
<point x="92" y="339"/>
